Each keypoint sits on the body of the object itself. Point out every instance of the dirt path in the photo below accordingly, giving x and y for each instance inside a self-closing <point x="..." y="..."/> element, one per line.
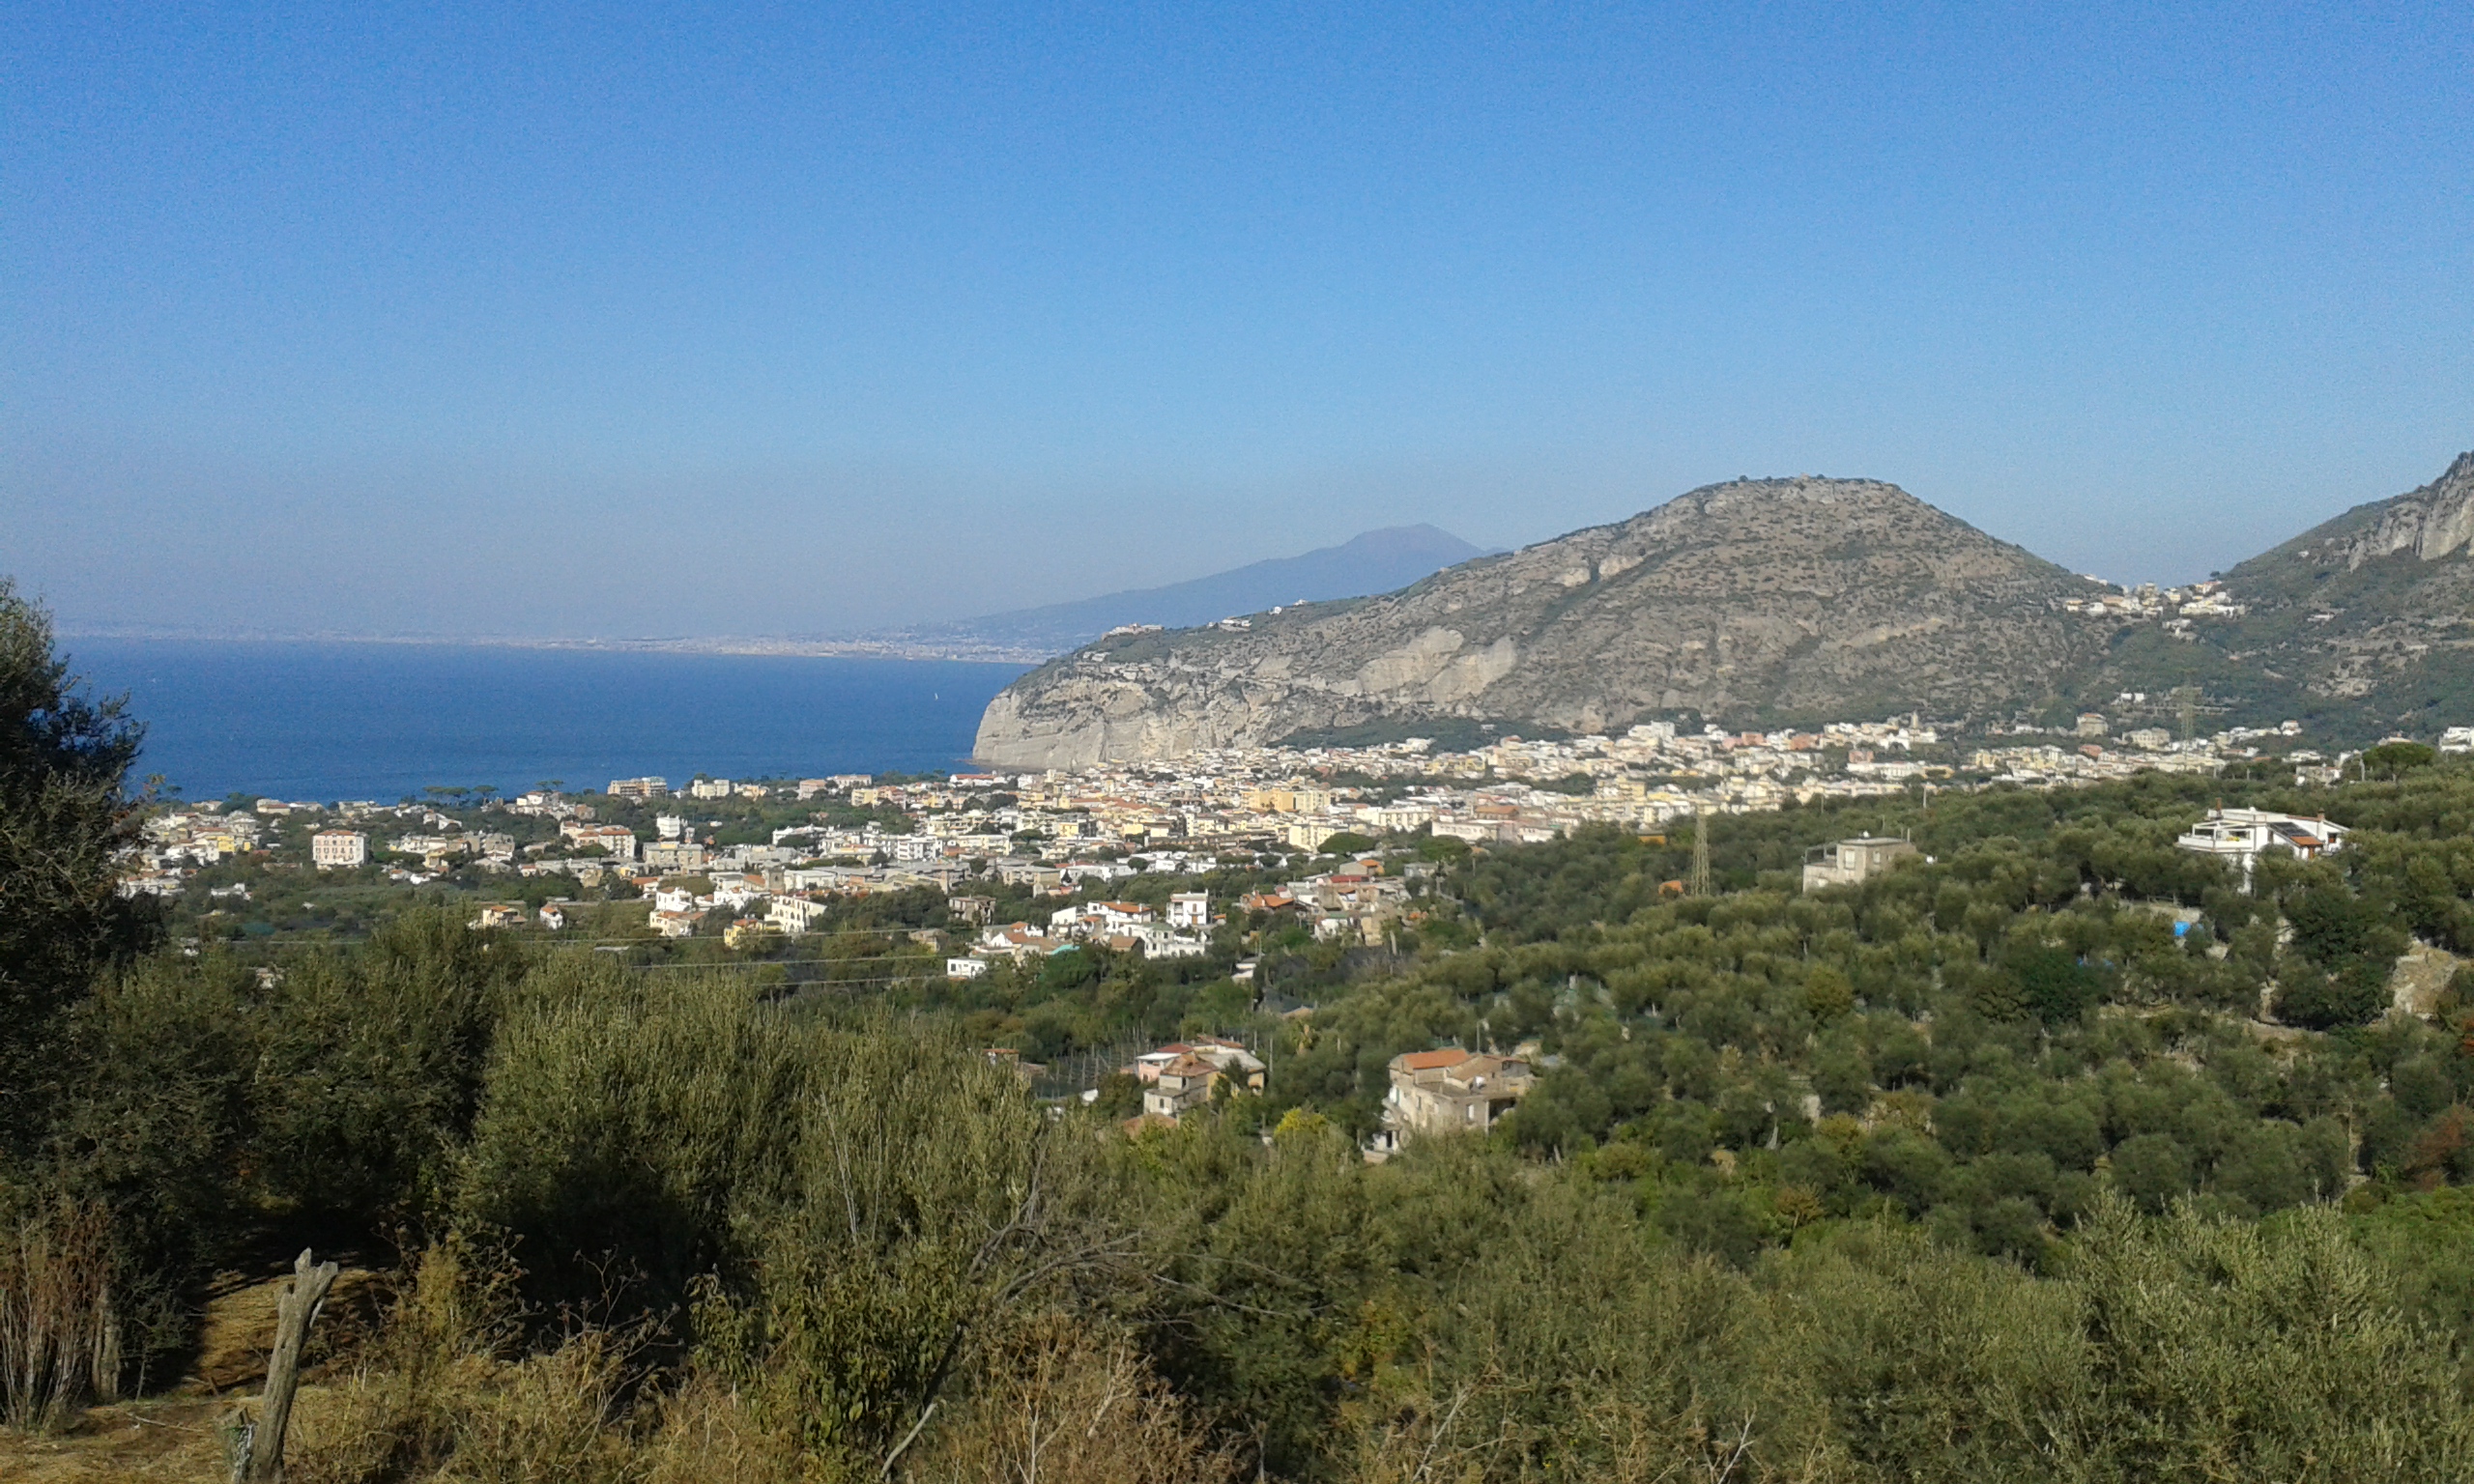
<point x="175" y="1437"/>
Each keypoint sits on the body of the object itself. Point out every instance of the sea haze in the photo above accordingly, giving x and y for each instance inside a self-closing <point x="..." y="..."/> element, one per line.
<point x="380" y="721"/>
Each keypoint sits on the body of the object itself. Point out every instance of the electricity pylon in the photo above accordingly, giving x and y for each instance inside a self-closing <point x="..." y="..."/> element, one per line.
<point x="1701" y="852"/>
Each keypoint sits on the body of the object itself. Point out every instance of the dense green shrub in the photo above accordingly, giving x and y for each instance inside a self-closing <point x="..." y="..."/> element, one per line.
<point x="63" y="817"/>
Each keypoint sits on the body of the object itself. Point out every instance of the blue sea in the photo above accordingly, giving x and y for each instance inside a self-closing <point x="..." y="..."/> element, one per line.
<point x="380" y="721"/>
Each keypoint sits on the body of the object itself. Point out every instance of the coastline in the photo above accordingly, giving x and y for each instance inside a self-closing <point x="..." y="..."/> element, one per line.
<point x="789" y="647"/>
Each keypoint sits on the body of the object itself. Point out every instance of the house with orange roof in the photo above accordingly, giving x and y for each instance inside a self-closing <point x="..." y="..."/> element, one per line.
<point x="1181" y="1084"/>
<point x="1182" y="1076"/>
<point x="1452" y="1091"/>
<point x="1017" y="942"/>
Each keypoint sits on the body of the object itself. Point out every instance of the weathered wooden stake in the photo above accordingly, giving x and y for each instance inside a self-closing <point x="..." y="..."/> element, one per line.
<point x="293" y="1316"/>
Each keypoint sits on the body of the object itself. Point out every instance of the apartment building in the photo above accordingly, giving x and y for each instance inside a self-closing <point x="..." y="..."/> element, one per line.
<point x="339" y="849"/>
<point x="1190" y="910"/>
<point x="616" y="840"/>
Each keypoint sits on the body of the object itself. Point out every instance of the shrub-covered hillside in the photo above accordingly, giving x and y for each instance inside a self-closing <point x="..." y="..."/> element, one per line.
<point x="1978" y="1170"/>
<point x="2053" y="1000"/>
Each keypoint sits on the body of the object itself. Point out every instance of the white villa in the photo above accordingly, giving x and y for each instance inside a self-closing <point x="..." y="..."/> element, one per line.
<point x="2240" y="835"/>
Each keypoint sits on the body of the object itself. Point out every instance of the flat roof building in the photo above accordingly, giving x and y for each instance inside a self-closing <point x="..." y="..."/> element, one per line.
<point x="1846" y="861"/>
<point x="2241" y="835"/>
<point x="339" y="849"/>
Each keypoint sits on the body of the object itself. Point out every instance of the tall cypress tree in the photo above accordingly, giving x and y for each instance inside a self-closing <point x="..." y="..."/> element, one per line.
<point x="65" y="816"/>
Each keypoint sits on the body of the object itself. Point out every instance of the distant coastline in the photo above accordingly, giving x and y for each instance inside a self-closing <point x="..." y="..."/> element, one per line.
<point x="865" y="647"/>
<point x="1377" y="561"/>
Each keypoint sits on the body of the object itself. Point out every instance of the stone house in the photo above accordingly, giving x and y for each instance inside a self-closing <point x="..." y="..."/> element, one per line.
<point x="1452" y="1091"/>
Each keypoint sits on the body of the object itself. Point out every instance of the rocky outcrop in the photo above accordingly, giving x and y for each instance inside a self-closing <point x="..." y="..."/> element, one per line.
<point x="2362" y="623"/>
<point x="1798" y="598"/>
<point x="2431" y="522"/>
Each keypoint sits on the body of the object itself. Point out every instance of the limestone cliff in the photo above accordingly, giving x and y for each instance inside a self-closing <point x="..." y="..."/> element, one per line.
<point x="2367" y="619"/>
<point x="1801" y="598"/>
<point x="2431" y="523"/>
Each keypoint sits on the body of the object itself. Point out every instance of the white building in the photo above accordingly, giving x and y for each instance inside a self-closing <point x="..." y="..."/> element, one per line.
<point x="1116" y="916"/>
<point x="339" y="849"/>
<point x="1309" y="834"/>
<point x="616" y="840"/>
<point x="736" y="895"/>
<point x="2240" y="835"/>
<point x="1189" y="909"/>
<point x="965" y="968"/>
<point x="1401" y="817"/>
<point x="1105" y="918"/>
<point x="1165" y="945"/>
<point x="678" y="857"/>
<point x="794" y="914"/>
<point x="710" y="788"/>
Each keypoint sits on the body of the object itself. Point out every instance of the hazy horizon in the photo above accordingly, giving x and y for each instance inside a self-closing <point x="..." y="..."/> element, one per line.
<point x="461" y="323"/>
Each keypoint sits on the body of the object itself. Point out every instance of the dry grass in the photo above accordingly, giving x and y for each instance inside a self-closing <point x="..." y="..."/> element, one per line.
<point x="59" y="1338"/>
<point x="445" y="1394"/>
<point x="705" y="1433"/>
<point x="445" y="1391"/>
<point x="1065" y="1402"/>
<point x="441" y="1392"/>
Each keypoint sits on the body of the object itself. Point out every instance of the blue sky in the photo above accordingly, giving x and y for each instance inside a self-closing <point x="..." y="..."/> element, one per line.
<point x="661" y="319"/>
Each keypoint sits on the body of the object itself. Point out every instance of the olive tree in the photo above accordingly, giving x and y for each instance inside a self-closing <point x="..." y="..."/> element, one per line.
<point x="65" y="815"/>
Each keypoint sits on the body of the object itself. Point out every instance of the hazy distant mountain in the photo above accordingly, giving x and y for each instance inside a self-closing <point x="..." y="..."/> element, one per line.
<point x="1376" y="561"/>
<point x="1775" y="599"/>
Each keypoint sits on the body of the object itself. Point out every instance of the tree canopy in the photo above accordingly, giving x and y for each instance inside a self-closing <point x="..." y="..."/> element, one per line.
<point x="65" y="756"/>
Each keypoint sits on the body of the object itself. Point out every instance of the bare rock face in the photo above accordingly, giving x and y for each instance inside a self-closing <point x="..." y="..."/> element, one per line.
<point x="2431" y="522"/>
<point x="2367" y="619"/>
<point x="1759" y="600"/>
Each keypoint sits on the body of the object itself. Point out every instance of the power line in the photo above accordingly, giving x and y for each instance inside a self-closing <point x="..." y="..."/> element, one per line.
<point x="742" y="968"/>
<point x="758" y="963"/>
<point x="560" y="942"/>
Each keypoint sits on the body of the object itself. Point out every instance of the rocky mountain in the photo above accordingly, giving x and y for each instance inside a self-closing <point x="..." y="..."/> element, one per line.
<point x="1376" y="561"/>
<point x="2364" y="623"/>
<point x="1758" y="600"/>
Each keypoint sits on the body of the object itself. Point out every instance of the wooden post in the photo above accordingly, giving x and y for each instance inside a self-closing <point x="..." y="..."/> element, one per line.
<point x="294" y="1315"/>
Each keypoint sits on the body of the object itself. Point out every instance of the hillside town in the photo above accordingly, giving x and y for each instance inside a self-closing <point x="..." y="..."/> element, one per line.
<point x="854" y="834"/>
<point x="2177" y="607"/>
